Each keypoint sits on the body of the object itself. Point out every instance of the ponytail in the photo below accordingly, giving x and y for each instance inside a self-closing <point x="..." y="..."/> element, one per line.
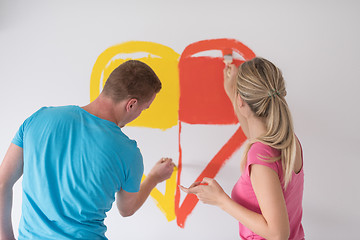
<point x="261" y="85"/>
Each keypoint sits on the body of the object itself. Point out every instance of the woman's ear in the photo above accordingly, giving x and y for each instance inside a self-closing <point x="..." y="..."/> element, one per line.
<point x="239" y="101"/>
<point x="131" y="104"/>
<point x="241" y="107"/>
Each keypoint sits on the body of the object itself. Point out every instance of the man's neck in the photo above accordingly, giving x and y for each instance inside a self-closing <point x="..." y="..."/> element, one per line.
<point x="102" y="107"/>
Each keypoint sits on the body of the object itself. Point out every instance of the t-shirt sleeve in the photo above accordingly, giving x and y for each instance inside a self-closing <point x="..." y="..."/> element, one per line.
<point x="19" y="136"/>
<point x="134" y="172"/>
<point x="258" y="154"/>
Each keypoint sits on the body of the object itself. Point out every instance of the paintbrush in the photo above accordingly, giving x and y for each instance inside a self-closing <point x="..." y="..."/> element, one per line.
<point x="228" y="58"/>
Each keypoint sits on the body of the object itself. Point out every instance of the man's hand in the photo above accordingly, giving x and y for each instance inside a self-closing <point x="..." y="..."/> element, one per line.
<point x="162" y="170"/>
<point x="128" y="203"/>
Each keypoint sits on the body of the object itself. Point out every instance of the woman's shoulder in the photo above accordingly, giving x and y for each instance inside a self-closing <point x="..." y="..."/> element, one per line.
<point x="263" y="154"/>
<point x="259" y="148"/>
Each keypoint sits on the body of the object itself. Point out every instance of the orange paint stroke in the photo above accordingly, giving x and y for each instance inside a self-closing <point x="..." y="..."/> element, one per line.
<point x="222" y="44"/>
<point x="211" y="170"/>
<point x="203" y="101"/>
<point x="202" y="96"/>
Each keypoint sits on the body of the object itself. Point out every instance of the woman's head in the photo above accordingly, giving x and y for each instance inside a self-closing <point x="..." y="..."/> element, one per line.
<point x="258" y="83"/>
<point x="261" y="85"/>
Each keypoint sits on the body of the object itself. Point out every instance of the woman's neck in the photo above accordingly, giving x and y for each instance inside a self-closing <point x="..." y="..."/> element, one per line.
<point x="257" y="127"/>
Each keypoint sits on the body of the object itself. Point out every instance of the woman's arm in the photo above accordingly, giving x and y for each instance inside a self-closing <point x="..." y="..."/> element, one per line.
<point x="230" y="78"/>
<point x="273" y="223"/>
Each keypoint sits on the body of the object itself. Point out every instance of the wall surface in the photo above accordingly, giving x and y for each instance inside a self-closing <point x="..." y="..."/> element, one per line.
<point x="49" y="52"/>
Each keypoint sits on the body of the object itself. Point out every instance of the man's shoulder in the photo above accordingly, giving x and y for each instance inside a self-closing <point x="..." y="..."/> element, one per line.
<point x="56" y="114"/>
<point x="59" y="108"/>
<point x="56" y="109"/>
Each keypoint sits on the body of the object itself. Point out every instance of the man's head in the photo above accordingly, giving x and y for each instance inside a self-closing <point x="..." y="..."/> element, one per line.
<point x="132" y="79"/>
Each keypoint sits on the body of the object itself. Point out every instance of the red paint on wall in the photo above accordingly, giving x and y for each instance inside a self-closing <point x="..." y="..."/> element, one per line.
<point x="202" y="96"/>
<point x="203" y="101"/>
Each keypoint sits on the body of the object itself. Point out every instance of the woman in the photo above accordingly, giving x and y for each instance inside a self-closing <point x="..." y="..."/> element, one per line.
<point x="267" y="199"/>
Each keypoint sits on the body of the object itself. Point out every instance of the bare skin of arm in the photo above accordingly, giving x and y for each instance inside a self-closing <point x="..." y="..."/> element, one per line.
<point x="273" y="223"/>
<point x="230" y="75"/>
<point x="128" y="203"/>
<point x="11" y="170"/>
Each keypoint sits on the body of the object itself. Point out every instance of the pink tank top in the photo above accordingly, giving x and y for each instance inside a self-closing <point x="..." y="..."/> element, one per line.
<point x="243" y="192"/>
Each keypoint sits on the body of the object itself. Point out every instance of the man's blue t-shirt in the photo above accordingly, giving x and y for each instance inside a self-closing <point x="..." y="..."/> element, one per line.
<point x="74" y="163"/>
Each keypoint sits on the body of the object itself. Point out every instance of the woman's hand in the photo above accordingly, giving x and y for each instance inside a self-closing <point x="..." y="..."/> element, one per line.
<point x="208" y="191"/>
<point x="230" y="74"/>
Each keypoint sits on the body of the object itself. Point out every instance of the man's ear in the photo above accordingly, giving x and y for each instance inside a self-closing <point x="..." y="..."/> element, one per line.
<point x="131" y="104"/>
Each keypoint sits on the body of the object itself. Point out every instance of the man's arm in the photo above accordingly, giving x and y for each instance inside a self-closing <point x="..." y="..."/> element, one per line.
<point x="11" y="170"/>
<point x="128" y="203"/>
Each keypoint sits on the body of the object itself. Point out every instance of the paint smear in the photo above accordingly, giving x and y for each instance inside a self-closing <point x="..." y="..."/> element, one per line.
<point x="163" y="113"/>
<point x="202" y="96"/>
<point x="165" y="202"/>
<point x="203" y="101"/>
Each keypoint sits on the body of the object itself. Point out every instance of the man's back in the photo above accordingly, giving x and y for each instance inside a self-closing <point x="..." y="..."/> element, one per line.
<point x="74" y="163"/>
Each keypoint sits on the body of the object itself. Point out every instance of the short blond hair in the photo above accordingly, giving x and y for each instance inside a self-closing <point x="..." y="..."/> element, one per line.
<point x="132" y="79"/>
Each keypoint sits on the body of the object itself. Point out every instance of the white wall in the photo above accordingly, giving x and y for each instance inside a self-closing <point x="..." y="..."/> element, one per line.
<point x="48" y="49"/>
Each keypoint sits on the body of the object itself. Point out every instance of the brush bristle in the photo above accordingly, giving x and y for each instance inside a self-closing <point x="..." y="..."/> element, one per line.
<point x="227" y="51"/>
<point x="228" y="58"/>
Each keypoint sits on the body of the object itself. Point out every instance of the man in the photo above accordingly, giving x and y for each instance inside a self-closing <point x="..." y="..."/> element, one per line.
<point x="75" y="160"/>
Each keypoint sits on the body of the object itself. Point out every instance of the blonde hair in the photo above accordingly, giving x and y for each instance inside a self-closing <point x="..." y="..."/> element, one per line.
<point x="261" y="85"/>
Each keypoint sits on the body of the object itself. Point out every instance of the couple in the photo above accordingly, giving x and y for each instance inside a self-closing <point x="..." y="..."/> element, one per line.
<point x="75" y="160"/>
